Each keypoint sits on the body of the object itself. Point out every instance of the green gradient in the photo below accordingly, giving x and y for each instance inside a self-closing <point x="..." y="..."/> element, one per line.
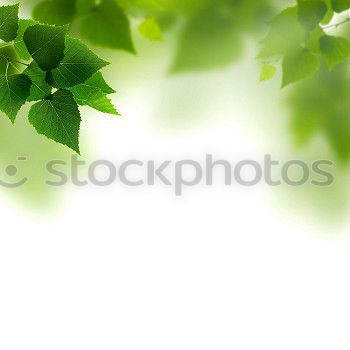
<point x="22" y="141"/>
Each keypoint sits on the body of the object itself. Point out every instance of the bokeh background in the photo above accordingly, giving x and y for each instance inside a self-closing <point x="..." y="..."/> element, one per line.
<point x="132" y="268"/>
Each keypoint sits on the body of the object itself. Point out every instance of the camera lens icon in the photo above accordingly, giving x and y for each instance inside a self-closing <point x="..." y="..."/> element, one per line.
<point x="11" y="171"/>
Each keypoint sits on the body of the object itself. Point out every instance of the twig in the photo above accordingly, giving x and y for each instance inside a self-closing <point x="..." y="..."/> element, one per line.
<point x="336" y="25"/>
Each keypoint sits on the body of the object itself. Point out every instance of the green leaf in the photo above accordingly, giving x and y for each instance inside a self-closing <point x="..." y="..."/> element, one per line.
<point x="78" y="65"/>
<point x="40" y="88"/>
<point x="285" y="34"/>
<point x="19" y="44"/>
<point x="46" y="45"/>
<point x="103" y="104"/>
<point x="87" y="90"/>
<point x="299" y="65"/>
<point x="55" y="12"/>
<point x="311" y="13"/>
<point x="313" y="42"/>
<point x="340" y="5"/>
<point x="107" y="26"/>
<point x="287" y="25"/>
<point x="208" y="41"/>
<point x="330" y="13"/>
<point x="58" y="118"/>
<point x="9" y="61"/>
<point x="14" y="91"/>
<point x="334" y="49"/>
<point x="84" y="6"/>
<point x="94" y="93"/>
<point x="267" y="72"/>
<point x="8" y="22"/>
<point x="150" y="29"/>
<point x="97" y="81"/>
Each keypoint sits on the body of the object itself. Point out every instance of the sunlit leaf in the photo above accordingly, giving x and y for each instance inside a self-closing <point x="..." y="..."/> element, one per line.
<point x="19" y="44"/>
<point x="267" y="72"/>
<point x="150" y="29"/>
<point x="8" y="22"/>
<point x="14" y="91"/>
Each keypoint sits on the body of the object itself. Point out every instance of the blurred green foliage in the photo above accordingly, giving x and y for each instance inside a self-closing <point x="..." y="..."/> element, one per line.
<point x="211" y="37"/>
<point x="320" y="106"/>
<point x="310" y="41"/>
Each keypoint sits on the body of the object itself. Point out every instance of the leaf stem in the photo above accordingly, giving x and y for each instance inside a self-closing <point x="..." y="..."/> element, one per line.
<point x="9" y="59"/>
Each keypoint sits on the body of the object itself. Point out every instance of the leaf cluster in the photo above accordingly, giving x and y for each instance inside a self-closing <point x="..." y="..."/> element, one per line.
<point x="299" y="38"/>
<point x="40" y="63"/>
